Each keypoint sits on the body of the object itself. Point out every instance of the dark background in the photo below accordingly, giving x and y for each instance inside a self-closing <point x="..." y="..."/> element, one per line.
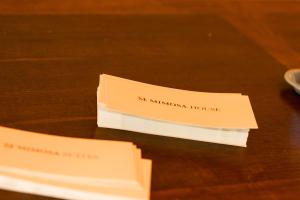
<point x="52" y="52"/>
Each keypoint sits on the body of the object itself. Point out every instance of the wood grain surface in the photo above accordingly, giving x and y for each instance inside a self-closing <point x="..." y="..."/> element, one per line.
<point x="50" y="63"/>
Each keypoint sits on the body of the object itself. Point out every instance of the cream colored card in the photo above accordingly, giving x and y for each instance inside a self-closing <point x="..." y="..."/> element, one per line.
<point x="209" y="110"/>
<point x="94" y="162"/>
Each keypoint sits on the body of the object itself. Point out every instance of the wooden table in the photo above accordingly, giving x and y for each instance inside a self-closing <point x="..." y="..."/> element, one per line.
<point x="49" y="69"/>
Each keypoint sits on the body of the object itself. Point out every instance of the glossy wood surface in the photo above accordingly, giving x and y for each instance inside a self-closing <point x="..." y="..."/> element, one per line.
<point x="49" y="68"/>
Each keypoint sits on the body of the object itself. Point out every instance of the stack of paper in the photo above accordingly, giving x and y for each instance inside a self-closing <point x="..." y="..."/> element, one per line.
<point x="211" y="117"/>
<point x="72" y="168"/>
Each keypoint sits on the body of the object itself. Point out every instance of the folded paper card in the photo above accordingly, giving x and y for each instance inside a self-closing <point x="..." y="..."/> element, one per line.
<point x="212" y="117"/>
<point x="61" y="166"/>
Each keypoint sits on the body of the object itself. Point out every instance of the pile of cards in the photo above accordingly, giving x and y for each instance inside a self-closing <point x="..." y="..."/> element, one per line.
<point x="72" y="168"/>
<point x="224" y="118"/>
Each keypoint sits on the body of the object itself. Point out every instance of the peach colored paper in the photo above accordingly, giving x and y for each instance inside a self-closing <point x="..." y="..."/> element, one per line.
<point x="95" y="162"/>
<point x="209" y="110"/>
<point x="54" y="188"/>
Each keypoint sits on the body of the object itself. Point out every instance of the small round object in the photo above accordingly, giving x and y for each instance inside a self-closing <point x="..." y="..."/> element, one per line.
<point x="292" y="77"/>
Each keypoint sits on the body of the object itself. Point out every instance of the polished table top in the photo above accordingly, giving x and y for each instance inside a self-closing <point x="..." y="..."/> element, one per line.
<point x="49" y="70"/>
